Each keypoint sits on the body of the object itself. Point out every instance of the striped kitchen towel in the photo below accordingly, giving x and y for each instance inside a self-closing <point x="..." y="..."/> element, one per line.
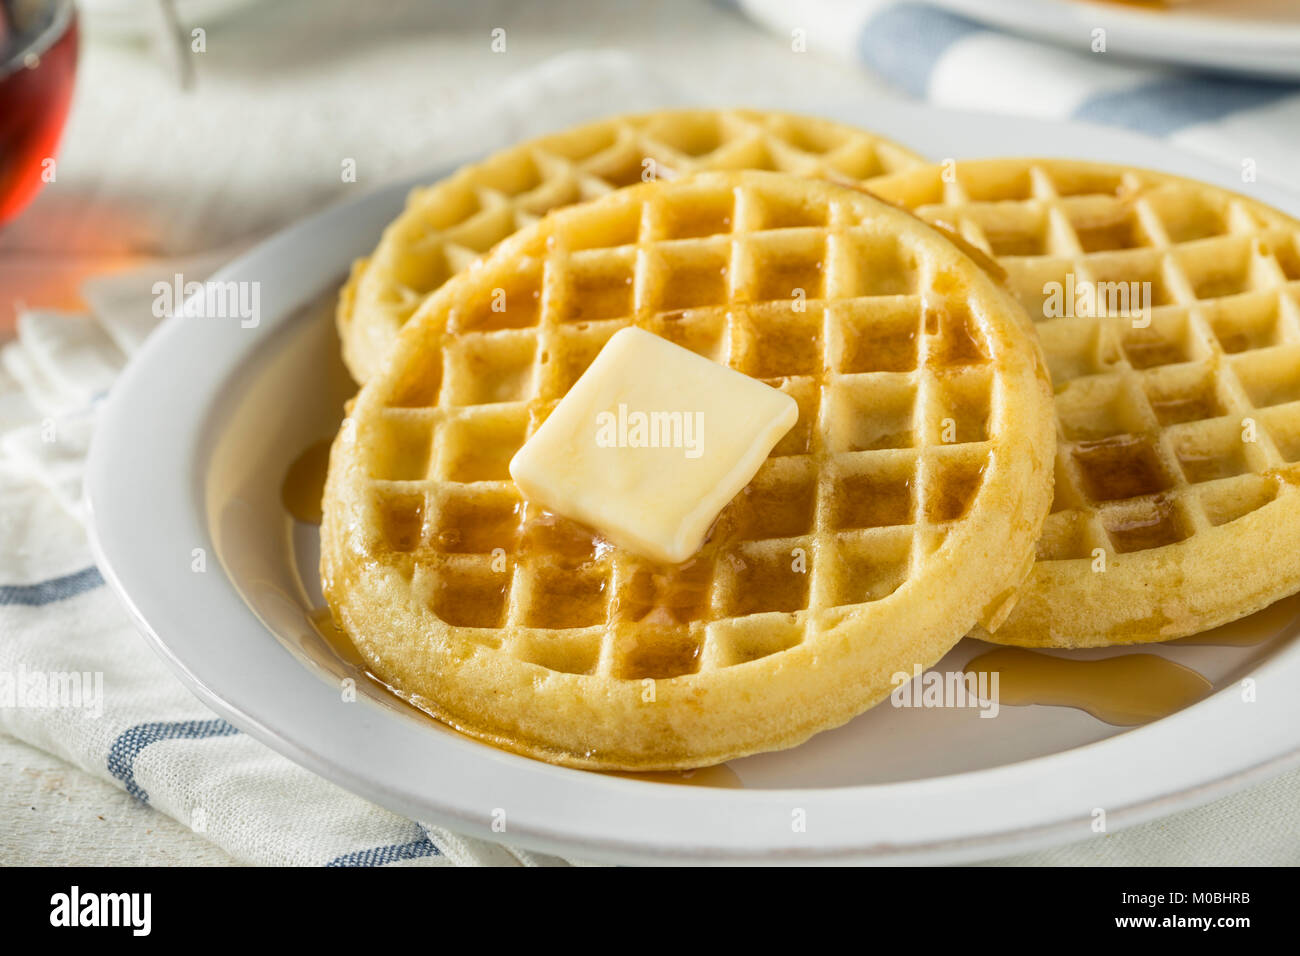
<point x="76" y="679"/>
<point x="947" y="60"/>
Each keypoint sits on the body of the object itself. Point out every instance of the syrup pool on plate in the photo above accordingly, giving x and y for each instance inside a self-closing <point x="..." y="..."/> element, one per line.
<point x="1126" y="691"/>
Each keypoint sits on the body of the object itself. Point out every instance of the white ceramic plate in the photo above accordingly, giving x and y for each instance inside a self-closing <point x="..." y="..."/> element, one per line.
<point x="191" y="452"/>
<point x="1258" y="37"/>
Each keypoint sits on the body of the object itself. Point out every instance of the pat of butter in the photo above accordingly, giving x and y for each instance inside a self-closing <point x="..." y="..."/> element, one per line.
<point x="651" y="443"/>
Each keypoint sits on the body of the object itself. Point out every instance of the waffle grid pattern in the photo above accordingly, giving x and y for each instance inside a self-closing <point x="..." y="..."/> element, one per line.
<point x="449" y="225"/>
<point x="897" y="400"/>
<point x="1167" y="430"/>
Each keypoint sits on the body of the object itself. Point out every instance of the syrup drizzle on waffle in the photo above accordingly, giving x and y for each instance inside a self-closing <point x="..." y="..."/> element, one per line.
<point x="449" y="225"/>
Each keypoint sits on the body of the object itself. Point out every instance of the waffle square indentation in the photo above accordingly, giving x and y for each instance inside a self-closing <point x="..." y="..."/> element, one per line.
<point x="1125" y="466"/>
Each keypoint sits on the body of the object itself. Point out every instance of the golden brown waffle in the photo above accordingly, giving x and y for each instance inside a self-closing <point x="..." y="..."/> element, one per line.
<point x="900" y="509"/>
<point x="1176" y="506"/>
<point x="450" y="224"/>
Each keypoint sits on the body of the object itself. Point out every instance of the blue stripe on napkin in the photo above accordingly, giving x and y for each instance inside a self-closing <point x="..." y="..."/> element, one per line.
<point x="380" y="855"/>
<point x="1169" y="104"/>
<point x="904" y="42"/>
<point x="55" y="589"/>
<point x="129" y="743"/>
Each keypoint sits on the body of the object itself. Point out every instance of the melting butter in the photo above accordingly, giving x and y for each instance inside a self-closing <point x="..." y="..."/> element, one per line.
<point x="651" y="443"/>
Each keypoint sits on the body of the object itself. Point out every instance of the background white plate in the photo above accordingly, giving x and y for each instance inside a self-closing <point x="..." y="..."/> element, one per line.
<point x="1258" y="37"/>
<point x="190" y="453"/>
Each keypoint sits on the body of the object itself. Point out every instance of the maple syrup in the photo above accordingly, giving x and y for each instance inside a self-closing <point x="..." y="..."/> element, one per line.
<point x="1122" y="466"/>
<point x="1125" y="691"/>
<point x="38" y="59"/>
<point x="304" y="483"/>
<point x="1153" y="526"/>
<point x="718" y="776"/>
<point x="338" y="641"/>
<point x="1250" y="630"/>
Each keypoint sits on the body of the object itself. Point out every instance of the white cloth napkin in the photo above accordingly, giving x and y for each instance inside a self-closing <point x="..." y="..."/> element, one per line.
<point x="948" y="60"/>
<point x="141" y="729"/>
<point x="130" y="720"/>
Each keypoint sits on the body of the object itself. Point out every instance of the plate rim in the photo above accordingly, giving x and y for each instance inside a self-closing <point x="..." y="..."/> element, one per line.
<point x="927" y="820"/>
<point x="1186" y="37"/>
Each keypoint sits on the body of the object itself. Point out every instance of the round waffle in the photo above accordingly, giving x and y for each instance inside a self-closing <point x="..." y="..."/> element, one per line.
<point x="900" y="510"/>
<point x="449" y="224"/>
<point x="1176" y="507"/>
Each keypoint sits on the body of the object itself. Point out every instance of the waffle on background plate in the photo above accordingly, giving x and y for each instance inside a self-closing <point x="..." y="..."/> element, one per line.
<point x="1177" y="502"/>
<point x="914" y="483"/>
<point x="451" y="223"/>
